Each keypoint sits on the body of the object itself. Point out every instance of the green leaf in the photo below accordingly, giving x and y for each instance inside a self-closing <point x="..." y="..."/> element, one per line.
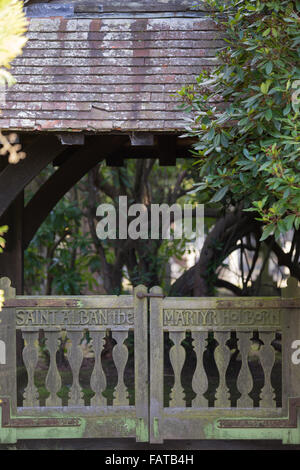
<point x="211" y="134"/>
<point x="269" y="67"/>
<point x="264" y="88"/>
<point x="220" y="194"/>
<point x="282" y="226"/>
<point x="268" y="114"/>
<point x="289" y="220"/>
<point x="266" y="32"/>
<point x="267" y="231"/>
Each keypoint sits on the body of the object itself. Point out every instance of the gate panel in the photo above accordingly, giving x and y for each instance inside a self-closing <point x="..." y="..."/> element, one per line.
<point x="245" y="330"/>
<point x="76" y="316"/>
<point x="211" y="333"/>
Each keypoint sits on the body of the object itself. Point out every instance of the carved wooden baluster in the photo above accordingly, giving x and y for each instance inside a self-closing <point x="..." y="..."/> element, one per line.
<point x="53" y="379"/>
<point x="120" y="356"/>
<point x="267" y="359"/>
<point x="199" y="382"/>
<point x="222" y="358"/>
<point x="177" y="358"/>
<point x="244" y="381"/>
<point x="98" y="379"/>
<point x="75" y="356"/>
<point x="30" y="357"/>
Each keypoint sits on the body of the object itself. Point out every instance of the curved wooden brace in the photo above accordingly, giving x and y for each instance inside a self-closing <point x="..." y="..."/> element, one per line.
<point x="69" y="173"/>
<point x="14" y="178"/>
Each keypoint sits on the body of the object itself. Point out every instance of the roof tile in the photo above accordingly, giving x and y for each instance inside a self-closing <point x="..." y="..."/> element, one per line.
<point x="107" y="74"/>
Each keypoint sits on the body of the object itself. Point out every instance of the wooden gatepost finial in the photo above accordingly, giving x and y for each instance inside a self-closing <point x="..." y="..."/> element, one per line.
<point x="292" y="289"/>
<point x="8" y="375"/>
<point x="5" y="285"/>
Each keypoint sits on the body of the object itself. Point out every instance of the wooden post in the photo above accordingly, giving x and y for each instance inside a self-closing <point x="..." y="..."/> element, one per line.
<point x="156" y="368"/>
<point x="141" y="365"/>
<point x="8" y="372"/>
<point x="11" y="260"/>
<point x="292" y="289"/>
<point x="291" y="342"/>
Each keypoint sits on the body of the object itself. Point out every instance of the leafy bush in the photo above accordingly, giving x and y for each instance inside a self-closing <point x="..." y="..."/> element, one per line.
<point x="246" y="112"/>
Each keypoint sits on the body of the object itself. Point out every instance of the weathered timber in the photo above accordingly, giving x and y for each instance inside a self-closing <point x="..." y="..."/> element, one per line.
<point x="30" y="357"/>
<point x="141" y="364"/>
<point x="98" y="379"/>
<point x="75" y="356"/>
<point x="222" y="358"/>
<point x="177" y="357"/>
<point x="199" y="316"/>
<point x="68" y="138"/>
<point x="267" y="359"/>
<point x="149" y="417"/>
<point x="199" y="381"/>
<point x="8" y="422"/>
<point x="14" y="178"/>
<point x="98" y="314"/>
<point x="141" y="139"/>
<point x="11" y="260"/>
<point x="120" y="356"/>
<point x="156" y="368"/>
<point x="167" y="150"/>
<point x="8" y="369"/>
<point x="118" y="7"/>
<point x="290" y="422"/>
<point x="244" y="381"/>
<point x="53" y="379"/>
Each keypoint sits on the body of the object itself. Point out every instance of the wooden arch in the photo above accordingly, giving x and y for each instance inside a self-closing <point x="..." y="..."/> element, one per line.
<point x="23" y="221"/>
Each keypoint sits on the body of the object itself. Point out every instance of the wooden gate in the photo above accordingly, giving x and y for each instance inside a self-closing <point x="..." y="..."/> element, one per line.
<point x="237" y="355"/>
<point x="74" y="316"/>
<point x="204" y="368"/>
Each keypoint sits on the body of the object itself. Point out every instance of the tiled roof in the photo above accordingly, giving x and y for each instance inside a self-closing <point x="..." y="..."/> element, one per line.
<point x="107" y="74"/>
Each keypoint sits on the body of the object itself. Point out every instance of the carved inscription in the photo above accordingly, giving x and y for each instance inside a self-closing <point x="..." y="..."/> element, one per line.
<point x="75" y="317"/>
<point x="189" y="318"/>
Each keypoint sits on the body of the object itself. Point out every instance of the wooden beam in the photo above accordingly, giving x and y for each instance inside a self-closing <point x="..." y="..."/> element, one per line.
<point x="14" y="178"/>
<point x="70" y="172"/>
<point x="71" y="138"/>
<point x="164" y="148"/>
<point x="65" y="155"/>
<point x="167" y="150"/>
<point x="119" y="6"/>
<point x="139" y="139"/>
<point x="11" y="260"/>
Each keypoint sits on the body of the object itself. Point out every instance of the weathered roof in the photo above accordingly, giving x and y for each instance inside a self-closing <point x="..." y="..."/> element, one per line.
<point x="107" y="73"/>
